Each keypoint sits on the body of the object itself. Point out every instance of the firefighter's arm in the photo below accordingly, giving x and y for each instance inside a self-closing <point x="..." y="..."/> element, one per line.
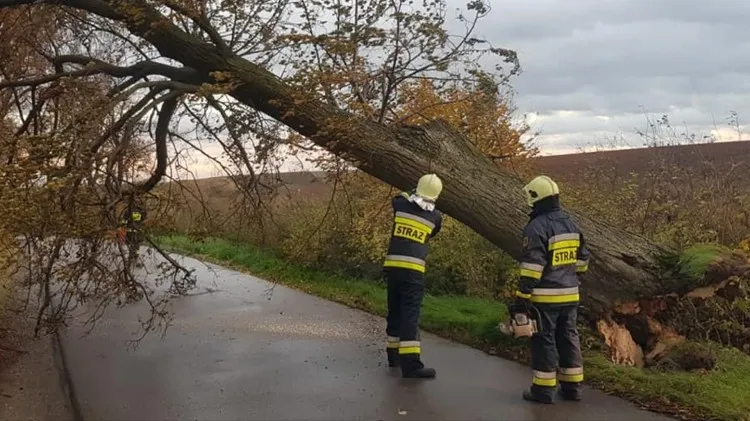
<point x="395" y="198"/>
<point x="438" y="225"/>
<point x="582" y="263"/>
<point x="532" y="262"/>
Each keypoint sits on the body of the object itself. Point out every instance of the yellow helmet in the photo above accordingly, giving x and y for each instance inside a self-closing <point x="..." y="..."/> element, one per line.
<point x="539" y="188"/>
<point x="429" y="187"/>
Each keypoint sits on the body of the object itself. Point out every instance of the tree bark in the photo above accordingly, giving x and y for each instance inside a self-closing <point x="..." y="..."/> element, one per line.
<point x="624" y="266"/>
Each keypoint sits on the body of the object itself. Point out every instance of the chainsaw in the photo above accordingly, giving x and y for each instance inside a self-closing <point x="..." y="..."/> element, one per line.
<point x="521" y="325"/>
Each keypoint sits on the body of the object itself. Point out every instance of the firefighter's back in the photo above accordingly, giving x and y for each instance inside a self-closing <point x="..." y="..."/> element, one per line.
<point x="562" y="239"/>
<point x="412" y="229"/>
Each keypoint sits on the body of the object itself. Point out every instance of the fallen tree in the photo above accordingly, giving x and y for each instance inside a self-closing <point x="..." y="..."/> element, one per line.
<point x="625" y="267"/>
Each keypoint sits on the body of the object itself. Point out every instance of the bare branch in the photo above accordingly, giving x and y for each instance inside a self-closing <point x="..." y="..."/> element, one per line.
<point x="120" y="123"/>
<point x="147" y="67"/>
<point x="37" y="108"/>
<point x="162" y="129"/>
<point x="235" y="138"/>
<point x="46" y="79"/>
<point x="94" y="66"/>
<point x="202" y="22"/>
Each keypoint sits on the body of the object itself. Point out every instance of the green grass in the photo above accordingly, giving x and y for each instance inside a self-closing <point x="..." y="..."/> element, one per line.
<point x="695" y="261"/>
<point x="721" y="394"/>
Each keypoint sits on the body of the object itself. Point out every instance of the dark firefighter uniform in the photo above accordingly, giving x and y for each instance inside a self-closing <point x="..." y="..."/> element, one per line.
<point x="404" y="269"/>
<point x="132" y="220"/>
<point x="554" y="253"/>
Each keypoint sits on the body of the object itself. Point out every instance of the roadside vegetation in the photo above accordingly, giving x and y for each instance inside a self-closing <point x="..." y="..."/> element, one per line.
<point x="9" y="336"/>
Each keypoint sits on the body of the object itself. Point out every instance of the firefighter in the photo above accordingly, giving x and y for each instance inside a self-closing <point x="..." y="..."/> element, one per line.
<point x="132" y="221"/>
<point x="416" y="221"/>
<point x="554" y="253"/>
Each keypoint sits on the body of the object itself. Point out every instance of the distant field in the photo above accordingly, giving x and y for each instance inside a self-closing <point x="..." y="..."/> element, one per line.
<point x="722" y="156"/>
<point x="570" y="167"/>
<point x="291" y="184"/>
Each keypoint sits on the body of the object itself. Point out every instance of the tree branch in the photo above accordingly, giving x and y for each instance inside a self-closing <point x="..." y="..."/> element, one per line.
<point x="391" y="75"/>
<point x="146" y="67"/>
<point x="162" y="129"/>
<point x="98" y="7"/>
<point x="46" y="79"/>
<point x="35" y="110"/>
<point x="94" y="66"/>
<point x="232" y="133"/>
<point x="160" y="85"/>
<point x="157" y="87"/>
<point x="120" y="123"/>
<point x="202" y="22"/>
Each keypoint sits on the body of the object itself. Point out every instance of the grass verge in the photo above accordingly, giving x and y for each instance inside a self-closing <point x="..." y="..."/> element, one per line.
<point x="721" y="394"/>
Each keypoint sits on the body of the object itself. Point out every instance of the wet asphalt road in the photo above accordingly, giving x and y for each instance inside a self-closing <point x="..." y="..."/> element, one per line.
<point x="242" y="354"/>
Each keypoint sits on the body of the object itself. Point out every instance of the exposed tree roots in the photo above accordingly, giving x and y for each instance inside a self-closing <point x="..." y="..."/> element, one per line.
<point x="654" y="331"/>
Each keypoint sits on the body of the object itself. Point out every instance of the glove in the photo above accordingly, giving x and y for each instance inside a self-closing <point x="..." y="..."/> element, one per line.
<point x="522" y="304"/>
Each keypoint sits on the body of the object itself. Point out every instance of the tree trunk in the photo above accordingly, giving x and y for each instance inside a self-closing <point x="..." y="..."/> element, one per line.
<point x="476" y="192"/>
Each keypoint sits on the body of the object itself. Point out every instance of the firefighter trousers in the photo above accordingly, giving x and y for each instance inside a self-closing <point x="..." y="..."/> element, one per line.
<point x="133" y="239"/>
<point x="405" y="293"/>
<point x="556" y="351"/>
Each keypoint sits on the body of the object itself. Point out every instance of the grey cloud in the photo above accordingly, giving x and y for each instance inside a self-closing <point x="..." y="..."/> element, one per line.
<point x="584" y="129"/>
<point x="623" y="122"/>
<point x="619" y="58"/>
<point x="653" y="100"/>
<point x="538" y="19"/>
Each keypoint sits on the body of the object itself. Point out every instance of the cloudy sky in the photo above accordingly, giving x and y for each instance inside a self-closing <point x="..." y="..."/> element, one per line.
<point x="593" y="69"/>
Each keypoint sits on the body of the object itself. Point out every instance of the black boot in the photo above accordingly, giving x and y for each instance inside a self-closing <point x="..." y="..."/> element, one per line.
<point x="529" y="395"/>
<point x="392" y="357"/>
<point x="569" y="394"/>
<point x="412" y="368"/>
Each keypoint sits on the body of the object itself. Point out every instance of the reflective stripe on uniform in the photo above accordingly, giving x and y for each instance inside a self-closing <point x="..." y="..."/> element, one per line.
<point x="570" y="375"/>
<point x="555" y="295"/>
<point x="564" y="241"/>
<point x="404" y="262"/>
<point x="564" y="248"/>
<point x="393" y="342"/>
<point x="416" y="219"/>
<point x="409" y="347"/>
<point x="545" y="378"/>
<point x="532" y="270"/>
<point x="582" y="265"/>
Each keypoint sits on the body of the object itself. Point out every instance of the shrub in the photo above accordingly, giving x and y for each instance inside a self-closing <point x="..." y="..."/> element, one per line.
<point x="351" y="232"/>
